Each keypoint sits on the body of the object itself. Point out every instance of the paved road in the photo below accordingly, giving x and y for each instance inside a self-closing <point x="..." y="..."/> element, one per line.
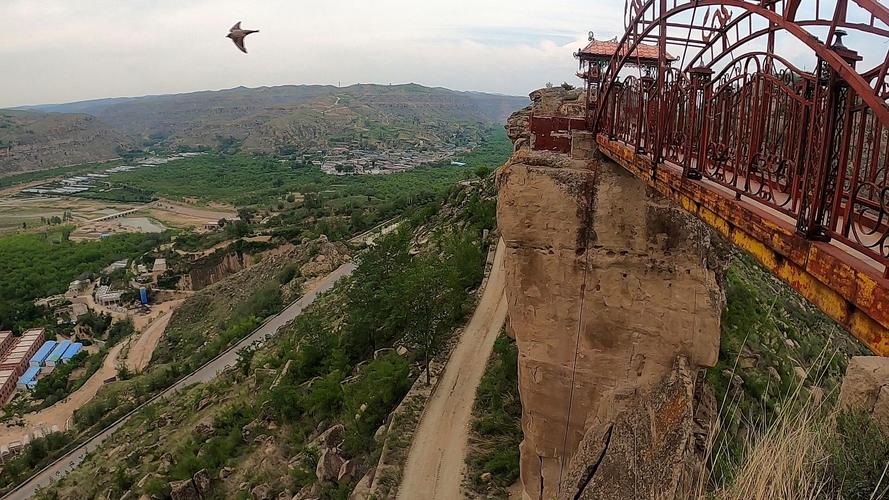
<point x="434" y="469"/>
<point x="209" y="371"/>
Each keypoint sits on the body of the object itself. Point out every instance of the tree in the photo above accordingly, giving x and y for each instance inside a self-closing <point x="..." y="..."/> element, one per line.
<point x="428" y="292"/>
<point x="246" y="215"/>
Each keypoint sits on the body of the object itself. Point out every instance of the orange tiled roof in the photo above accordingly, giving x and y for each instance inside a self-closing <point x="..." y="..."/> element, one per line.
<point x="607" y="49"/>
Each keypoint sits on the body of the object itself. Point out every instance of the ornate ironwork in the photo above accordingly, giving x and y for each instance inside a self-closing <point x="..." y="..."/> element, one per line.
<point x="732" y="110"/>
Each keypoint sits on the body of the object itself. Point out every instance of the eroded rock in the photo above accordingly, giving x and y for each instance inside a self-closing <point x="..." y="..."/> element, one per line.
<point x="654" y="448"/>
<point x="184" y="490"/>
<point x="331" y="438"/>
<point x="607" y="284"/>
<point x="866" y="387"/>
<point x="329" y="464"/>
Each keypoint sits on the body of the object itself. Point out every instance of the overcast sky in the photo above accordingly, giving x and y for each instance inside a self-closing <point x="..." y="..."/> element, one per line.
<point x="55" y="51"/>
<point x="64" y="50"/>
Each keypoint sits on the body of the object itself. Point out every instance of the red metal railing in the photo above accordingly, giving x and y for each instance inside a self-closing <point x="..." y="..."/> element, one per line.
<point x="813" y="146"/>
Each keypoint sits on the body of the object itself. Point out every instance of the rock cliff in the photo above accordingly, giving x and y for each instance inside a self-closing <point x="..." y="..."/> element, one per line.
<point x="608" y="285"/>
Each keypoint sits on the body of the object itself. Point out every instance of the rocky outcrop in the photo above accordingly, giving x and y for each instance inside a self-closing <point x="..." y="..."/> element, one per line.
<point x="866" y="387"/>
<point x="558" y="101"/>
<point x="329" y="464"/>
<point x="655" y="448"/>
<point x="607" y="285"/>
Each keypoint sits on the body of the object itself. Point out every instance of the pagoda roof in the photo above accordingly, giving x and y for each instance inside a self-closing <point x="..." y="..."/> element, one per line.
<point x="607" y="48"/>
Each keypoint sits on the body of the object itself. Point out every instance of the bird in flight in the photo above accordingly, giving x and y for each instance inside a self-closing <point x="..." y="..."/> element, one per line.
<point x="237" y="35"/>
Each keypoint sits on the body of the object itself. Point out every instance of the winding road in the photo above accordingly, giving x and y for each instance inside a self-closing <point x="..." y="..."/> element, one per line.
<point x="435" y="462"/>
<point x="209" y="371"/>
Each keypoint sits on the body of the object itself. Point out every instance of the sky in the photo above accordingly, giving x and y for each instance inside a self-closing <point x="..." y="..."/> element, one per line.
<point x="55" y="51"/>
<point x="66" y="50"/>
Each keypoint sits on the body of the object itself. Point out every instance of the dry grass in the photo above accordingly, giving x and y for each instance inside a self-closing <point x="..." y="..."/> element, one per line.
<point x="792" y="457"/>
<point x="789" y="459"/>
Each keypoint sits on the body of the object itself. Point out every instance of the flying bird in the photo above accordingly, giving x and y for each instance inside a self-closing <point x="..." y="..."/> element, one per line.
<point x="237" y="35"/>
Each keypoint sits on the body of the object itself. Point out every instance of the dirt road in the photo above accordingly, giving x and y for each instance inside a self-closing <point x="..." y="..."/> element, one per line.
<point x="208" y="372"/>
<point x="434" y="467"/>
<point x="143" y="346"/>
<point x="59" y="413"/>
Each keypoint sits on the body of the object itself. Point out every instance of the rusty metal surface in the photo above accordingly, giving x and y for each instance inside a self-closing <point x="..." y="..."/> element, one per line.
<point x="852" y="292"/>
<point x="813" y="145"/>
<point x="553" y="133"/>
<point x="789" y="160"/>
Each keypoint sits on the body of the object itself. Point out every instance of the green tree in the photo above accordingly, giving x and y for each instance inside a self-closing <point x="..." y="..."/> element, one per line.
<point x="429" y="293"/>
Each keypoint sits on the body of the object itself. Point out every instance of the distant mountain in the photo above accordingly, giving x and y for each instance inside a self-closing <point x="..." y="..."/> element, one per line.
<point x="35" y="140"/>
<point x="286" y="118"/>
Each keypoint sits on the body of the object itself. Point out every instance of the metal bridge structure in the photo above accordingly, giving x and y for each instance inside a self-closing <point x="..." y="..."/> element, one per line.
<point x="768" y="119"/>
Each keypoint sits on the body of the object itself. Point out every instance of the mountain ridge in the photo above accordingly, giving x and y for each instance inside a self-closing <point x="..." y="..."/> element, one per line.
<point x="267" y="119"/>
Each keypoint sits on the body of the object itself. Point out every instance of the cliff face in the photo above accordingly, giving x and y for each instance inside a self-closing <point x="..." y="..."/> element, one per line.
<point x="607" y="286"/>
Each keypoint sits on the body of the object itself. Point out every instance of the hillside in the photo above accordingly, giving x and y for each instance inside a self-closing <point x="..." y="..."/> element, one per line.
<point x="275" y="119"/>
<point x="303" y="412"/>
<point x="37" y="140"/>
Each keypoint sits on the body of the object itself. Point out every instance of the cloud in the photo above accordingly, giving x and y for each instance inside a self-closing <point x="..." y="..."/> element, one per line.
<point x="64" y="50"/>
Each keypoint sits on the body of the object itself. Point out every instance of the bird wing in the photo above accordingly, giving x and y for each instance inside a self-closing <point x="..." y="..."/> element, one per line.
<point x="239" y="43"/>
<point x="236" y="27"/>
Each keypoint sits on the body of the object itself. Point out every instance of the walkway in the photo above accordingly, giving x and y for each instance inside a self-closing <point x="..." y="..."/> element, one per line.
<point x="209" y="371"/>
<point x="434" y="468"/>
<point x="142" y="348"/>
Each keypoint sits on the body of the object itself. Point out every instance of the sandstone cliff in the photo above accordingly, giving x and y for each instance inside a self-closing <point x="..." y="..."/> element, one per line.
<point x="607" y="284"/>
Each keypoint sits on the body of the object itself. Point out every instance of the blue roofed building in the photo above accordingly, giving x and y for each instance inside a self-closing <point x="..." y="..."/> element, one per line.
<point x="71" y="351"/>
<point x="40" y="356"/>
<point x="56" y="353"/>
<point x="29" y="379"/>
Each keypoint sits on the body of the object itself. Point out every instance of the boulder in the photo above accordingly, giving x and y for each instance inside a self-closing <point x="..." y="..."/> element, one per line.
<point x="363" y="488"/>
<point x="261" y="492"/>
<point x="201" y="481"/>
<point x="329" y="464"/>
<point x="866" y="387"/>
<point x="309" y="492"/>
<point x="331" y="438"/>
<point x="225" y="473"/>
<point x="380" y="435"/>
<point x="250" y="431"/>
<point x="166" y="462"/>
<point x="347" y="471"/>
<point x="203" y="429"/>
<point x="184" y="490"/>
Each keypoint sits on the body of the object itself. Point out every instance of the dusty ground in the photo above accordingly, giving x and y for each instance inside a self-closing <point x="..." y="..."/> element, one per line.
<point x="14" y="210"/>
<point x="142" y="347"/>
<point x="182" y="215"/>
<point x="17" y="209"/>
<point x="59" y="413"/>
<point x="434" y="468"/>
<point x="208" y="251"/>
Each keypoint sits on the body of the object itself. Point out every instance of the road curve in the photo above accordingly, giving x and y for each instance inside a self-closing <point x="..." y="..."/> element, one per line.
<point x="209" y="371"/>
<point x="434" y="468"/>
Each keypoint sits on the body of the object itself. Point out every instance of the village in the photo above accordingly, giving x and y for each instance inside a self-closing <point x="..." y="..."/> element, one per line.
<point x="358" y="161"/>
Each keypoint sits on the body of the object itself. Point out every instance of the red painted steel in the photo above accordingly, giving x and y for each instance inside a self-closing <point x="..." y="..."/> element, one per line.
<point x="810" y="145"/>
<point x="553" y="133"/>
